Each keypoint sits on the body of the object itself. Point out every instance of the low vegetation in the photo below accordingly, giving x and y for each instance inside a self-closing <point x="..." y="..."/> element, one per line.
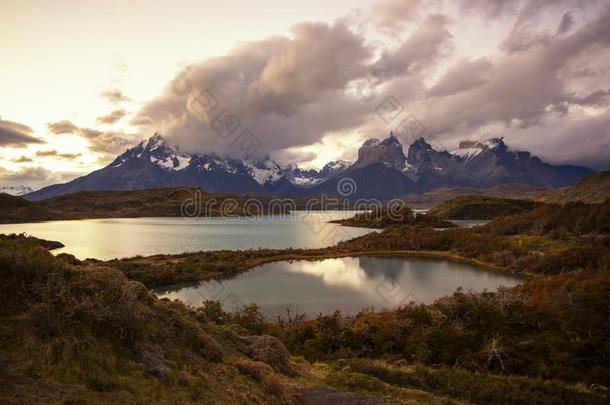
<point x="478" y="207"/>
<point x="594" y="189"/>
<point x="86" y="331"/>
<point x="388" y="216"/>
<point x="85" y="335"/>
<point x="17" y="209"/>
<point x="162" y="202"/>
<point x="440" y="195"/>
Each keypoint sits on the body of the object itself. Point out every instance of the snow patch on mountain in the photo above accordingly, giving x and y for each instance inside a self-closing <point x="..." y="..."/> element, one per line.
<point x="264" y="172"/>
<point x="172" y="161"/>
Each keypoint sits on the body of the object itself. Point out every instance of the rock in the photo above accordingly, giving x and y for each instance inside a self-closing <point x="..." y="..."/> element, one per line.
<point x="183" y="379"/>
<point x="525" y="344"/>
<point x="598" y="388"/>
<point x="269" y="350"/>
<point x="400" y="363"/>
<point x="155" y="363"/>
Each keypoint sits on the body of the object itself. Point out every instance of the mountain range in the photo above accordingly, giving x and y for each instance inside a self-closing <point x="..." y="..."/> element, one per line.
<point x="15" y="190"/>
<point x="381" y="171"/>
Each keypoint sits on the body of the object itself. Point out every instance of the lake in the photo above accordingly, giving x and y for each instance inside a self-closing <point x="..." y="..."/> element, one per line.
<point x="125" y="237"/>
<point x="348" y="284"/>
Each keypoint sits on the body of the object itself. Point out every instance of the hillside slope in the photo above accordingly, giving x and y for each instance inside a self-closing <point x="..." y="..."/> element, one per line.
<point x="479" y="207"/>
<point x="17" y="209"/>
<point x="159" y="202"/>
<point x="440" y="195"/>
<point x="593" y="189"/>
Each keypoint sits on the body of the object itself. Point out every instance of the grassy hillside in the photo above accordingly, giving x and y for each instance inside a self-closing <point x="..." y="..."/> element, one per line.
<point x="542" y="342"/>
<point x="83" y="332"/>
<point x="593" y="189"/>
<point x="79" y="335"/>
<point x="17" y="209"/>
<point x="441" y="195"/>
<point x="384" y="218"/>
<point x="162" y="202"/>
<point x="478" y="207"/>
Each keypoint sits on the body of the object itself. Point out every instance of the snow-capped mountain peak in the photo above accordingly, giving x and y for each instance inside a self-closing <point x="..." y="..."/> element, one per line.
<point x="381" y="171"/>
<point x="468" y="150"/>
<point x="264" y="171"/>
<point x="15" y="190"/>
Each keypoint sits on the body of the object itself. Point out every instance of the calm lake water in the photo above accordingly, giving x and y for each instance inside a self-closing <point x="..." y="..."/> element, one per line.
<point x="349" y="284"/>
<point x="125" y="237"/>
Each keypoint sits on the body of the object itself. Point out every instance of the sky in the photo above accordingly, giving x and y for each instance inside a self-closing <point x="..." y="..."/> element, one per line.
<point x="81" y="81"/>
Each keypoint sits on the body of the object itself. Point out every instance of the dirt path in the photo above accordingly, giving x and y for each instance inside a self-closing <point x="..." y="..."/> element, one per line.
<point x="325" y="396"/>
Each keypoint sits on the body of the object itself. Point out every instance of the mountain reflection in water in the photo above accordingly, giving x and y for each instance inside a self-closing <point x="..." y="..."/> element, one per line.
<point x="349" y="284"/>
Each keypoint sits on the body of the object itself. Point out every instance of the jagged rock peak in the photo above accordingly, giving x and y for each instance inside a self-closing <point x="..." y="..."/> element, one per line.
<point x="420" y="143"/>
<point x="389" y="152"/>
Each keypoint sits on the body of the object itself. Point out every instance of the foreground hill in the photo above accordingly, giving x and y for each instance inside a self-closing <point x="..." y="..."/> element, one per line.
<point x="593" y="189"/>
<point x="540" y="343"/>
<point x="382" y="171"/>
<point x="479" y="207"/>
<point x="85" y="332"/>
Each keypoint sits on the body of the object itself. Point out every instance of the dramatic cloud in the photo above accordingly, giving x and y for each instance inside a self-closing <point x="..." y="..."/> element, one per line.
<point x="287" y="95"/>
<point x="284" y="91"/>
<point x="115" y="96"/>
<point x="112" y="118"/>
<point x="567" y="21"/>
<point x="489" y="8"/>
<point x="62" y="127"/>
<point x="392" y="14"/>
<point x="27" y="175"/>
<point x="462" y="76"/>
<point x="108" y="142"/>
<point x="111" y="142"/>
<point x="520" y="89"/>
<point x="22" y="159"/>
<point x="523" y="37"/>
<point x="34" y="177"/>
<point x="54" y="153"/>
<point x="14" y="134"/>
<point x="425" y="46"/>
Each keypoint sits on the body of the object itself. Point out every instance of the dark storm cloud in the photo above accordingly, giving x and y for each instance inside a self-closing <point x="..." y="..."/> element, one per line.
<point x="112" y="118"/>
<point x="14" y="134"/>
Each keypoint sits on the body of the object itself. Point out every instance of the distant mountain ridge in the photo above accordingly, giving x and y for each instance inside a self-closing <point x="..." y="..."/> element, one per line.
<point x="381" y="171"/>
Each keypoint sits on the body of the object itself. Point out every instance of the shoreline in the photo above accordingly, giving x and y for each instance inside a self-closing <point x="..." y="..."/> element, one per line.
<point x="313" y="255"/>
